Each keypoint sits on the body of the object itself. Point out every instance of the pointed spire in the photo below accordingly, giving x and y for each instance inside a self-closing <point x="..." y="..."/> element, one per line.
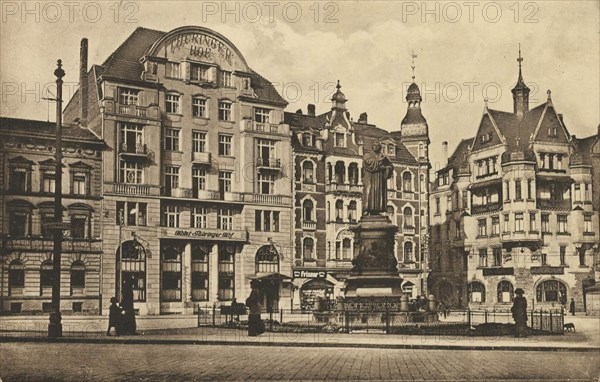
<point x="520" y="60"/>
<point x="339" y="99"/>
<point x="413" y="56"/>
<point x="520" y="91"/>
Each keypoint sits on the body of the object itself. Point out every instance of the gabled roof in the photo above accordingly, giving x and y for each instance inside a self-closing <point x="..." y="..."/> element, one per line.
<point x="459" y="157"/>
<point x="369" y="134"/>
<point x="124" y="64"/>
<point x="41" y="129"/>
<point x="582" y="153"/>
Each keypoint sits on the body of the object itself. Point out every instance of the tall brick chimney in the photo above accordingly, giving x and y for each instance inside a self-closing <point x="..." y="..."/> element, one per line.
<point x="83" y="82"/>
<point x="311" y="109"/>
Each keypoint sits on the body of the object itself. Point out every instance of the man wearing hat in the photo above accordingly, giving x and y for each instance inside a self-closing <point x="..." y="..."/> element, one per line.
<point x="519" y="312"/>
<point x="114" y="316"/>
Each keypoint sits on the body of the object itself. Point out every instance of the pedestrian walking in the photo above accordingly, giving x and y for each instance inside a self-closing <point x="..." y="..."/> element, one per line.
<point x="519" y="313"/>
<point x="114" y="317"/>
<point x="572" y="307"/>
<point x="255" y="324"/>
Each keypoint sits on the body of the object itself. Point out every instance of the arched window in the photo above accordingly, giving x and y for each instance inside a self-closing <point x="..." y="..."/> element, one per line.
<point x="16" y="277"/>
<point x="267" y="260"/>
<point x="390" y="212"/>
<point x="308" y="172"/>
<point x="346" y="248"/>
<point x="408" y="251"/>
<point x="307" y="210"/>
<point x="408" y="217"/>
<point x="476" y="292"/>
<point x="353" y="173"/>
<point x="46" y="277"/>
<point x="340" y="172"/>
<point x="134" y="267"/>
<point x="339" y="210"/>
<point x="308" y="246"/>
<point x="352" y="211"/>
<point x="77" y="276"/>
<point x="505" y="291"/>
<point x="550" y="291"/>
<point x="407" y="182"/>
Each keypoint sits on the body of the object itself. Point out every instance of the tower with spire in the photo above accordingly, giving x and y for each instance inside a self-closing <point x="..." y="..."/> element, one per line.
<point x="520" y="92"/>
<point x="414" y="129"/>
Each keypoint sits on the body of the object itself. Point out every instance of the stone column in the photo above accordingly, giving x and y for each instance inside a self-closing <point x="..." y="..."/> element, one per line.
<point x="186" y="288"/>
<point x="213" y="274"/>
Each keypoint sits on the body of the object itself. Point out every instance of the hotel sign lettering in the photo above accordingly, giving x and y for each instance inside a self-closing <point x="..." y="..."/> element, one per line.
<point x="201" y="46"/>
<point x="214" y="235"/>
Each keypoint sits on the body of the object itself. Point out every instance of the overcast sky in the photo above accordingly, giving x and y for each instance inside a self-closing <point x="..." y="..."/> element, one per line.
<point x="464" y="49"/>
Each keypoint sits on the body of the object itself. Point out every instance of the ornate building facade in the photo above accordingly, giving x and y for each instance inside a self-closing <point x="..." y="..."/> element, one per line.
<point x="28" y="172"/>
<point x="197" y="192"/>
<point x="513" y="209"/>
<point x="328" y="150"/>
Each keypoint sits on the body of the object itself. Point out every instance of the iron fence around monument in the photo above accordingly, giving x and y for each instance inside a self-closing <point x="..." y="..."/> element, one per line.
<point x="387" y="320"/>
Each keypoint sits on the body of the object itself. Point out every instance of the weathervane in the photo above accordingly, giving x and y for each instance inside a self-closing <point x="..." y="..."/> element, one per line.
<point x="413" y="56"/>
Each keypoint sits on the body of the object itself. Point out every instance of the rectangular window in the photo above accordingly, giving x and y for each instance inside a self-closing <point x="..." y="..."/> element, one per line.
<point x="437" y="205"/>
<point x="225" y="219"/>
<point x="258" y="220"/>
<point x="225" y="143"/>
<point x="171" y="177"/>
<point x="544" y="258"/>
<point x="128" y="96"/>
<point x="199" y="217"/>
<point x="519" y="222"/>
<point x="482" y="227"/>
<point x="226" y="80"/>
<point x="224" y="111"/>
<point x="495" y="225"/>
<point x="545" y="223"/>
<point x="171" y="261"/>
<point x="587" y="224"/>
<point x="506" y="223"/>
<point x="224" y="181"/>
<point x="49" y="181"/>
<point x="200" y="73"/>
<point x="131" y="213"/>
<point x="267" y="221"/>
<point x="266" y="183"/>
<point x="562" y="223"/>
<point x="172" y="139"/>
<point x="340" y="140"/>
<point x="577" y="193"/>
<point x="20" y="179"/>
<point x="172" y="103"/>
<point x="587" y="196"/>
<point x="79" y="183"/>
<point x="275" y="221"/>
<point x="199" y="141"/>
<point x="261" y="115"/>
<point x="173" y="70"/>
<point x="78" y="226"/>
<point x="198" y="180"/>
<point x="171" y="216"/>
<point x="507" y="188"/>
<point x="563" y="255"/>
<point x="449" y="203"/>
<point x="497" y="253"/>
<point x="483" y="262"/>
<point x="19" y="223"/>
<point x="530" y="189"/>
<point x="518" y="189"/>
<point x="199" y="107"/>
<point x="532" y="222"/>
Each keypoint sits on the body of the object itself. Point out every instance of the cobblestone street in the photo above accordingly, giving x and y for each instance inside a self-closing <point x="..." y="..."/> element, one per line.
<point x="106" y="362"/>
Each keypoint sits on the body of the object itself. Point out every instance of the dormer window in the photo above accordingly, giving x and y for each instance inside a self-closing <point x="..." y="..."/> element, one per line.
<point x="173" y="70"/>
<point x="200" y="73"/>
<point x="128" y="96"/>
<point x="340" y="140"/>
<point x="552" y="131"/>
<point x="307" y="139"/>
<point x="487" y="137"/>
<point x="226" y="79"/>
<point x="390" y="150"/>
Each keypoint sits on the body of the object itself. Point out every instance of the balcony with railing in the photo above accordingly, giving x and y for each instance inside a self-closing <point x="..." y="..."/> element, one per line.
<point x="46" y="244"/>
<point x="309" y="225"/>
<point x="408" y="230"/>
<point x="201" y="158"/>
<point x="131" y="189"/>
<point x="490" y="207"/>
<point x="133" y="110"/>
<point x="264" y="127"/>
<point x="268" y="163"/>
<point x="564" y="204"/>
<point x="138" y="150"/>
<point x="178" y="192"/>
<point x="343" y="187"/>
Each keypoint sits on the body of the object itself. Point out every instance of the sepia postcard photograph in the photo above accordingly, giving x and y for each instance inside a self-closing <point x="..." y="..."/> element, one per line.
<point x="389" y="190"/>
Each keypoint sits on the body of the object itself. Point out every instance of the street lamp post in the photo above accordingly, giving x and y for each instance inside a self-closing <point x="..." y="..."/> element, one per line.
<point x="55" y="326"/>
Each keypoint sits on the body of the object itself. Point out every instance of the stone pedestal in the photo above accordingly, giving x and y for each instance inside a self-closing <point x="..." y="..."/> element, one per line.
<point x="374" y="274"/>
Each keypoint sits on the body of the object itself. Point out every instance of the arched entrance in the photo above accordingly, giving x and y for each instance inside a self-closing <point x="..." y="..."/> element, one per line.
<point x="133" y="266"/>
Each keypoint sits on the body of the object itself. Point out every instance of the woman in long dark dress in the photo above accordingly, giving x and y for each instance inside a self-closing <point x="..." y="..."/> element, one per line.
<point x="255" y="324"/>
